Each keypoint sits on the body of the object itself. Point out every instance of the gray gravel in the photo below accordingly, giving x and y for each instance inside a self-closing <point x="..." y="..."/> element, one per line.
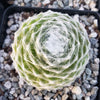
<point x="12" y="87"/>
<point x="65" y="4"/>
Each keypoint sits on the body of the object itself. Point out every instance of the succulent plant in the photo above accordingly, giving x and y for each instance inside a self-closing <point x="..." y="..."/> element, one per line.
<point x="50" y="50"/>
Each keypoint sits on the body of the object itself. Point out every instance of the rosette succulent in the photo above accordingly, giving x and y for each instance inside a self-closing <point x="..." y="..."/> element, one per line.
<point x="50" y="50"/>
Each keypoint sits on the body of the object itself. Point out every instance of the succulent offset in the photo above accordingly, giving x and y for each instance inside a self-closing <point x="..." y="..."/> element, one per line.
<point x="50" y="50"/>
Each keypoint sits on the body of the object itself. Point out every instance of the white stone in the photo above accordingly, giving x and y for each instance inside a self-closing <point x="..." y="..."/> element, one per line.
<point x="97" y="60"/>
<point x="26" y="1"/>
<point x="21" y="82"/>
<point x="93" y="34"/>
<point x="87" y="1"/>
<point x="5" y="54"/>
<point x="27" y="98"/>
<point x="64" y="97"/>
<point x="92" y="4"/>
<point x="16" y="2"/>
<point x="10" y="22"/>
<point x="95" y="23"/>
<point x="76" y="17"/>
<point x="12" y="91"/>
<point x="2" y="66"/>
<point x="26" y="93"/>
<point x="70" y="3"/>
<point x="7" y="42"/>
<point x="14" y="79"/>
<point x="1" y="59"/>
<point x="94" y="9"/>
<point x="60" y="3"/>
<point x="66" y="90"/>
<point x="70" y="87"/>
<point x="46" y="2"/>
<point x="1" y="52"/>
<point x="87" y="98"/>
<point x="16" y="16"/>
<point x="94" y="90"/>
<point x="7" y="84"/>
<point x="77" y="90"/>
<point x="86" y="7"/>
<point x="56" y="99"/>
<point x="8" y="31"/>
<point x="13" y="28"/>
<point x="21" y="96"/>
<point x="7" y="67"/>
<point x="8" y="37"/>
<point x="47" y="97"/>
<point x="81" y="8"/>
<point x="95" y="73"/>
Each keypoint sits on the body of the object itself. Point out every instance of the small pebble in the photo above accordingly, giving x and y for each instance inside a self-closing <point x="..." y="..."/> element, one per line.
<point x="39" y="4"/>
<point x="5" y="55"/>
<point x="96" y="60"/>
<point x="94" y="9"/>
<point x="8" y="31"/>
<point x="95" y="23"/>
<point x="66" y="90"/>
<point x="66" y="2"/>
<point x="15" y="79"/>
<point x="76" y="17"/>
<point x="34" y="92"/>
<point x="88" y="94"/>
<point x="74" y="96"/>
<point x="64" y="97"/>
<point x="87" y="86"/>
<point x="46" y="97"/>
<point x="84" y="76"/>
<point x="1" y="59"/>
<point x="13" y="28"/>
<point x="27" y="98"/>
<point x="21" y="96"/>
<point x="10" y="22"/>
<point x="60" y="3"/>
<point x="7" y="67"/>
<point x="36" y="97"/>
<point x="26" y="93"/>
<point x="70" y="3"/>
<point x="87" y="1"/>
<point x="84" y="89"/>
<point x="95" y="67"/>
<point x="88" y="71"/>
<point x="26" y="1"/>
<point x="77" y="90"/>
<point x="94" y="90"/>
<point x="22" y="4"/>
<point x="44" y="92"/>
<point x="50" y="94"/>
<point x="7" y="84"/>
<point x="91" y="19"/>
<point x="12" y="91"/>
<point x="79" y="97"/>
<point x="45" y="2"/>
<point x="92" y="4"/>
<point x="87" y="98"/>
<point x="21" y="82"/>
<point x="93" y="82"/>
<point x="94" y="34"/>
<point x="7" y="42"/>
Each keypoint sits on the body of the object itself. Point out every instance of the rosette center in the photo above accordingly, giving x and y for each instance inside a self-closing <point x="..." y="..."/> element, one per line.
<point x="55" y="43"/>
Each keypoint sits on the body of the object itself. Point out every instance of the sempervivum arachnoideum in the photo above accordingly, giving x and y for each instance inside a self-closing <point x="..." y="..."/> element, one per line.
<point x="50" y="50"/>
